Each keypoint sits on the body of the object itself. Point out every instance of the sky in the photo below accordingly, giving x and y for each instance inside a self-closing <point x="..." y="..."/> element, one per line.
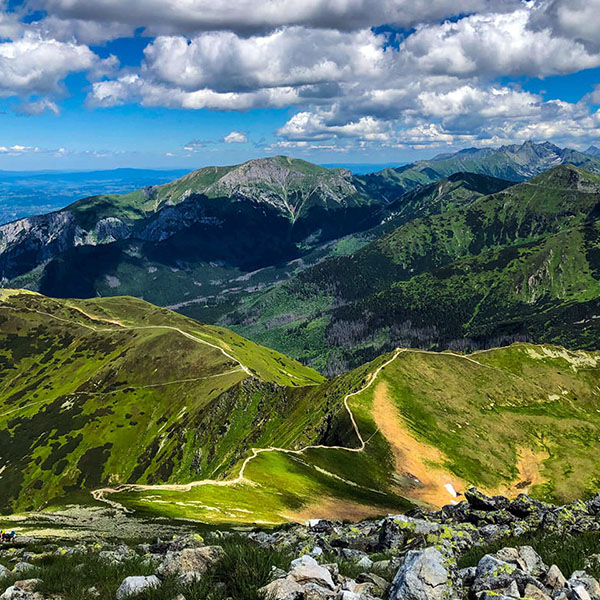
<point x="189" y="83"/>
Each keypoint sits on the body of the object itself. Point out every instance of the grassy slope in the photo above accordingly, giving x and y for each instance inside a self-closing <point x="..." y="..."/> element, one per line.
<point x="379" y="287"/>
<point x="86" y="402"/>
<point x="478" y="414"/>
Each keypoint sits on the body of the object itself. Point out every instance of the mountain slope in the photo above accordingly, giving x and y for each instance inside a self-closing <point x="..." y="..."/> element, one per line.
<point x="236" y="214"/>
<point x="343" y="311"/>
<point x="118" y="390"/>
<point x="425" y="426"/>
<point x="150" y="411"/>
<point x="200" y="251"/>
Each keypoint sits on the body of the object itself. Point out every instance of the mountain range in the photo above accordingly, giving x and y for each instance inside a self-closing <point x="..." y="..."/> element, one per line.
<point x="319" y="343"/>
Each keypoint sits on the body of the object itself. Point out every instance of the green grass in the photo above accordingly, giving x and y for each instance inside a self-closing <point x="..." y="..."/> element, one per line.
<point x="521" y="263"/>
<point x="243" y="570"/>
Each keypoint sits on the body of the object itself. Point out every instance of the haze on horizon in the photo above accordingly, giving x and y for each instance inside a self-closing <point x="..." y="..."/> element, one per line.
<point x="187" y="83"/>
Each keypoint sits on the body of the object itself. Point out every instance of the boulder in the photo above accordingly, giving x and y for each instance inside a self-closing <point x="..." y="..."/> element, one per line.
<point x="28" y="585"/>
<point x="587" y="581"/>
<point x="190" y="560"/>
<point x="480" y="501"/>
<point x="4" y="572"/>
<point x="282" y="589"/>
<point x="307" y="570"/>
<point x="493" y="574"/>
<point x="533" y="592"/>
<point x="555" y="580"/>
<point x="524" y="557"/>
<point x="422" y="576"/>
<point x="15" y="593"/>
<point x="134" y="585"/>
<point x="312" y="591"/>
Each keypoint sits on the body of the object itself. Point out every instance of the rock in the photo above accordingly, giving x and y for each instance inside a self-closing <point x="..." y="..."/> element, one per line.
<point x="381" y="565"/>
<point x="493" y="574"/>
<point x="480" y="501"/>
<point x="533" y="592"/>
<point x="28" y="585"/>
<point x="397" y="529"/>
<point x="555" y="580"/>
<point x="320" y="526"/>
<point x="277" y="573"/>
<point x="524" y="557"/>
<point x="365" y="563"/>
<point x="307" y="570"/>
<point x="580" y="593"/>
<point x="592" y="561"/>
<point x="312" y="591"/>
<point x="589" y="583"/>
<point x="488" y="595"/>
<point x="190" y="560"/>
<point x="282" y="589"/>
<point x="423" y="576"/>
<point x="134" y="585"/>
<point x="15" y="593"/>
<point x="512" y="590"/>
<point x="4" y="572"/>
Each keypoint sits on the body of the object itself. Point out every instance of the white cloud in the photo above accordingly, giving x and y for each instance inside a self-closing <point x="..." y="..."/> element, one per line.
<point x="251" y="16"/>
<point x="32" y="65"/>
<point x="571" y="19"/>
<point x="496" y="44"/>
<point x="17" y="150"/>
<point x="39" y="107"/>
<point x="438" y="84"/>
<point x="225" y="62"/>
<point x="236" y="137"/>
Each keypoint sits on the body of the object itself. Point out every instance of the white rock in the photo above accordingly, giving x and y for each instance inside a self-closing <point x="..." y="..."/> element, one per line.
<point x="282" y="589"/>
<point x="135" y="585"/>
<point x="423" y="576"/>
<point x="307" y="570"/>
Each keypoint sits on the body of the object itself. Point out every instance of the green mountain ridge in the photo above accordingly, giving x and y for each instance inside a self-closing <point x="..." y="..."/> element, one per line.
<point x="349" y="309"/>
<point x="165" y="416"/>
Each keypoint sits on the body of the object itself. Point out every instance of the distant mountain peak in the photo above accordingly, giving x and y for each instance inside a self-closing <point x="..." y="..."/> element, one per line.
<point x="593" y="151"/>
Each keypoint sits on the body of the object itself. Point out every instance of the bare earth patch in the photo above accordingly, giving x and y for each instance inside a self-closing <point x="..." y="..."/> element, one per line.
<point x="416" y="462"/>
<point x="420" y="465"/>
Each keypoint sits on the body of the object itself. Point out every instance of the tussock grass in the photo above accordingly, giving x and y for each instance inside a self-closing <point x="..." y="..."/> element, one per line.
<point x="239" y="575"/>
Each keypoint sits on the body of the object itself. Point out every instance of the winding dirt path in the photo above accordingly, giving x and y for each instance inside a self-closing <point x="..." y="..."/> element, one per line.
<point x="415" y="460"/>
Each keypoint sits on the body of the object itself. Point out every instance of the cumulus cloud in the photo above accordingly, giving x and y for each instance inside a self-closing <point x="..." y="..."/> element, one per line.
<point x="33" y="65"/>
<point x="571" y="19"/>
<point x="435" y="82"/>
<point x="497" y="44"/>
<point x="252" y="16"/>
<point x="225" y="62"/>
<point x="236" y="137"/>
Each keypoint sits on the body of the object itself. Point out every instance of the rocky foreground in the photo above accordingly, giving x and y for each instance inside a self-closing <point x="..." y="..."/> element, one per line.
<point x="417" y="556"/>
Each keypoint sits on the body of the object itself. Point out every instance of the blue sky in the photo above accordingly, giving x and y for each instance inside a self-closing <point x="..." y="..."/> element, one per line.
<point x="187" y="83"/>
